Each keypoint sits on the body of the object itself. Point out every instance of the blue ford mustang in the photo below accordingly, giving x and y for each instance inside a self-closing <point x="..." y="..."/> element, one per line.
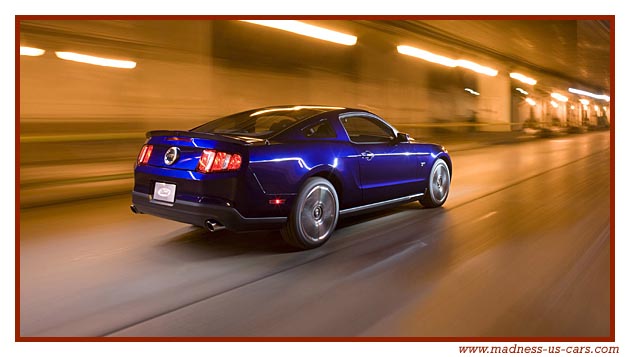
<point x="295" y="167"/>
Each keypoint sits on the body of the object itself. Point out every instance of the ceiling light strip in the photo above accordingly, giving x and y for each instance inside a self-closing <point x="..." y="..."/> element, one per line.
<point x="589" y="94"/>
<point x="98" y="61"/>
<point x="31" y="51"/>
<point x="446" y="61"/>
<point x="523" y="78"/>
<point x="305" y="29"/>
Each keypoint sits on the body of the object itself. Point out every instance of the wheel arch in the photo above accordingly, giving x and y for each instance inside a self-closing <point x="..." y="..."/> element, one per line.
<point x="330" y="175"/>
<point x="444" y="156"/>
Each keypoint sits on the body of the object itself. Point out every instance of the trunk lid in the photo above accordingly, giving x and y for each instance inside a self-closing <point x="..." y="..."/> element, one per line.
<point x="189" y="147"/>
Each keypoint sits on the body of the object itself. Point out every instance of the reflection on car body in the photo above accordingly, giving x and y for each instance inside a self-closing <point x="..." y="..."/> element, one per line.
<point x="297" y="168"/>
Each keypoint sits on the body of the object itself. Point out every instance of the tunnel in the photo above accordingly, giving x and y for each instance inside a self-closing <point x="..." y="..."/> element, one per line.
<point x="522" y="249"/>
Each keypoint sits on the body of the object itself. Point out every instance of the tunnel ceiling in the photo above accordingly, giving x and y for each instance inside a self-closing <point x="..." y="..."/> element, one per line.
<point x="572" y="50"/>
<point x="578" y="51"/>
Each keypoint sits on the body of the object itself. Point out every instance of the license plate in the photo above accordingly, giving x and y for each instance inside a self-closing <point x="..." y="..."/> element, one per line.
<point x="164" y="192"/>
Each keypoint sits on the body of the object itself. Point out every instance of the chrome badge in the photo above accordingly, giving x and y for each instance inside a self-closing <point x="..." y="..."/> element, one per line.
<point x="164" y="192"/>
<point x="172" y="154"/>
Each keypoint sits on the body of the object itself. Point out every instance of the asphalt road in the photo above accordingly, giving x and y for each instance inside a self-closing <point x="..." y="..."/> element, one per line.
<point x="521" y="248"/>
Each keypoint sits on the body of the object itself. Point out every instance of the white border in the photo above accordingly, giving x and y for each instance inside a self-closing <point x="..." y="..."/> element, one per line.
<point x="280" y="7"/>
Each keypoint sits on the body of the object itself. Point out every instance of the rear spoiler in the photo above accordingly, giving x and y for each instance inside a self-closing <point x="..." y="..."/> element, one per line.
<point x="241" y="140"/>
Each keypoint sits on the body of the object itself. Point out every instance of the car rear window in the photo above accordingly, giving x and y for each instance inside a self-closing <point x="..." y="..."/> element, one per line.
<point x="263" y="122"/>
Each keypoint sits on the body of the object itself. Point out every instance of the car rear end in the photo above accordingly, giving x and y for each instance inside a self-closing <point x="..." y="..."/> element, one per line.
<point x="200" y="179"/>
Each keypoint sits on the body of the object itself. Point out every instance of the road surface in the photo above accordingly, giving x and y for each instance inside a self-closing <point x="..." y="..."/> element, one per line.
<point x="521" y="248"/>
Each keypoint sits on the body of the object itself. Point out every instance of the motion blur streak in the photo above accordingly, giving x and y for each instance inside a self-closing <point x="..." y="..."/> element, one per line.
<point x="308" y="30"/>
<point x="477" y="68"/>
<point x="559" y="97"/>
<point x="445" y="61"/>
<point x="427" y="56"/>
<point x="98" y="61"/>
<point x="523" y="78"/>
<point x="589" y="94"/>
<point x="31" y="51"/>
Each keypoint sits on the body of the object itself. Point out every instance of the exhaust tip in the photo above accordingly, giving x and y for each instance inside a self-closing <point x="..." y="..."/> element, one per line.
<point x="134" y="209"/>
<point x="214" y="226"/>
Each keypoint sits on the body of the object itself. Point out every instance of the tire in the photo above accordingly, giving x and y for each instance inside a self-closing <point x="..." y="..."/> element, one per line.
<point x="313" y="216"/>
<point x="439" y="185"/>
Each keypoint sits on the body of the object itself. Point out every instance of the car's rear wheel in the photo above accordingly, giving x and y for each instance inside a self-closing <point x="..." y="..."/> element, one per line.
<point x="314" y="215"/>
<point x="439" y="185"/>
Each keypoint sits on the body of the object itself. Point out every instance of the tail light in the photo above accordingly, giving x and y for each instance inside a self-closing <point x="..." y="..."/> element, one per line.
<point x="217" y="161"/>
<point x="145" y="154"/>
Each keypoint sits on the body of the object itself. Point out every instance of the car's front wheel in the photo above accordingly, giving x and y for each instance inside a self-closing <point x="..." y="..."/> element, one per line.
<point x="439" y="185"/>
<point x="314" y="215"/>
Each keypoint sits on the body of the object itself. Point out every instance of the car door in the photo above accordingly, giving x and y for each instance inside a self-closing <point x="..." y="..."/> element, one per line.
<point x="388" y="169"/>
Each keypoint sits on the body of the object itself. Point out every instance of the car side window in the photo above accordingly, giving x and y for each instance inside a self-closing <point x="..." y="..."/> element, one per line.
<point x="320" y="130"/>
<point x="363" y="129"/>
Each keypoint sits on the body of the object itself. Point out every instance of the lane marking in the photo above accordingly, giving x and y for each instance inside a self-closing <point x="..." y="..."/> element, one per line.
<point x="484" y="217"/>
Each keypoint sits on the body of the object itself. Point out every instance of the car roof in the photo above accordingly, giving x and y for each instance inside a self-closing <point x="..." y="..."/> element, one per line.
<point x="324" y="110"/>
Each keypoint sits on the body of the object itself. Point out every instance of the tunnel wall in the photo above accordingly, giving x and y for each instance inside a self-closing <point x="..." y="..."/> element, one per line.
<point x="193" y="84"/>
<point x="81" y="125"/>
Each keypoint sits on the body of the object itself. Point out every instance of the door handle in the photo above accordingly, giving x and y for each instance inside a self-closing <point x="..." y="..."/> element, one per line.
<point x="367" y="155"/>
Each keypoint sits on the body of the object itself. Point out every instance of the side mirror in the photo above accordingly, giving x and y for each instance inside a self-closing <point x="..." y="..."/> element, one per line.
<point x="402" y="138"/>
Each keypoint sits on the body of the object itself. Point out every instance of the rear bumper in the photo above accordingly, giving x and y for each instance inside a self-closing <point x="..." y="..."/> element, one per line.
<point x="198" y="213"/>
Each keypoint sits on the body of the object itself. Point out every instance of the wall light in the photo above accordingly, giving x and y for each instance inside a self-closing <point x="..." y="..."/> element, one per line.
<point x="31" y="51"/>
<point x="522" y="91"/>
<point x="523" y="78"/>
<point x="98" y="61"/>
<point x="589" y="94"/>
<point x="596" y="107"/>
<point x="471" y="91"/>
<point x="302" y="28"/>
<point x="572" y="107"/>
<point x="554" y="104"/>
<point x="559" y="97"/>
<point x="446" y="61"/>
<point x="530" y="101"/>
<point x="584" y="101"/>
